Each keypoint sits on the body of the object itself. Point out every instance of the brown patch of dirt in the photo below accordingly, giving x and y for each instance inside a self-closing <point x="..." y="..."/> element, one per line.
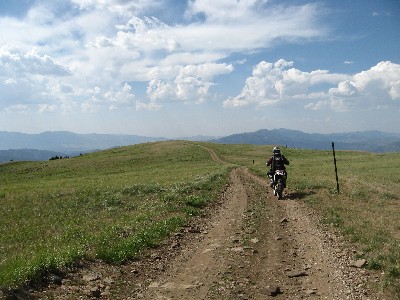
<point x="249" y="245"/>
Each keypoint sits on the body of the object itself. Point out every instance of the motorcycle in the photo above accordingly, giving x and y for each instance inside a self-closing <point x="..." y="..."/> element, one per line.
<point x="279" y="183"/>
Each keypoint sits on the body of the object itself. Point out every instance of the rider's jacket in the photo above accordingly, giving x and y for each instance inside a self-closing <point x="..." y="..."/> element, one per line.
<point x="277" y="162"/>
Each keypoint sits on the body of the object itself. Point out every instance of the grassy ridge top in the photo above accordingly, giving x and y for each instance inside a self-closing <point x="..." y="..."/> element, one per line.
<point x="106" y="205"/>
<point x="112" y="204"/>
<point x="367" y="210"/>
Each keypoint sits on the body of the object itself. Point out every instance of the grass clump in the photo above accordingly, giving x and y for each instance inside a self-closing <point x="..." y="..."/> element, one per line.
<point x="117" y="250"/>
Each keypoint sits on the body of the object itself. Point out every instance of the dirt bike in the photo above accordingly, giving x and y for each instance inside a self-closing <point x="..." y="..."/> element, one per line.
<point x="279" y="183"/>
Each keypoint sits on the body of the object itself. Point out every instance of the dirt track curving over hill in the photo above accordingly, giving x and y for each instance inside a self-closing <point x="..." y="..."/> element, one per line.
<point x="249" y="245"/>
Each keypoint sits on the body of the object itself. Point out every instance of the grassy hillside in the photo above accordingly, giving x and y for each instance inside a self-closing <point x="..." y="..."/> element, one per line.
<point x="112" y="204"/>
<point x="367" y="210"/>
<point x="106" y="205"/>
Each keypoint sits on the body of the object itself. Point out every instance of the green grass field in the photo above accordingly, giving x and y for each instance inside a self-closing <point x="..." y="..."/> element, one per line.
<point x="367" y="209"/>
<point x="108" y="205"/>
<point x="112" y="204"/>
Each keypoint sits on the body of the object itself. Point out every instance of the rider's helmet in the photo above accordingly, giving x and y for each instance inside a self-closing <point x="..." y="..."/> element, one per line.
<point x="276" y="150"/>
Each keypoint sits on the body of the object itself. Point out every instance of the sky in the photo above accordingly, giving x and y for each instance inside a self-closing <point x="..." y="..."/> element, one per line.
<point x="180" y="68"/>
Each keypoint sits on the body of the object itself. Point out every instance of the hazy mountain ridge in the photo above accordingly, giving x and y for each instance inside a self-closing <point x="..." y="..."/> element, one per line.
<point x="22" y="146"/>
<point x="373" y="141"/>
<point x="63" y="143"/>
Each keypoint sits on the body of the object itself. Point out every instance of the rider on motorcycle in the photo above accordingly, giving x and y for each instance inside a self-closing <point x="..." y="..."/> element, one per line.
<point x="277" y="162"/>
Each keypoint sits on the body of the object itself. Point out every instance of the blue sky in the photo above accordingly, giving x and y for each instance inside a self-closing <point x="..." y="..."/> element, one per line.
<point x="199" y="67"/>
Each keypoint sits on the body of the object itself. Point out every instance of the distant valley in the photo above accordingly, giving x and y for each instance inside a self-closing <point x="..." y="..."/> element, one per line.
<point x="21" y="146"/>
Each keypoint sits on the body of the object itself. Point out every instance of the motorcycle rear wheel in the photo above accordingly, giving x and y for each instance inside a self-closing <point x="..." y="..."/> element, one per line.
<point x="279" y="189"/>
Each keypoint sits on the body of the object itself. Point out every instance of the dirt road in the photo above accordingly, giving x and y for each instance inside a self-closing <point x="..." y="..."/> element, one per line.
<point x="257" y="247"/>
<point x="248" y="246"/>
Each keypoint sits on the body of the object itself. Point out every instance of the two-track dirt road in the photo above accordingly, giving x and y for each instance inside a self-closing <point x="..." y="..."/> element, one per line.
<point x="248" y="246"/>
<point x="255" y="247"/>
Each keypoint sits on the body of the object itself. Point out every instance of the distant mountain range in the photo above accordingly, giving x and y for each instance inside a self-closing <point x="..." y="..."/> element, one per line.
<point x="372" y="141"/>
<point x="21" y="146"/>
<point x="66" y="141"/>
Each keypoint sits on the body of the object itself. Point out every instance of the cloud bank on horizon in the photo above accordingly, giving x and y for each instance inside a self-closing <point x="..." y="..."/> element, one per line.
<point x="65" y="62"/>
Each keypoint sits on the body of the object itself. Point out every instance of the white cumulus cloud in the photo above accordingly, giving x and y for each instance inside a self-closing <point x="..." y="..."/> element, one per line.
<point x="273" y="83"/>
<point x="368" y="89"/>
<point x="122" y="7"/>
<point x="47" y="108"/>
<point x="395" y="90"/>
<point x="191" y="84"/>
<point x="81" y="54"/>
<point x="13" y="62"/>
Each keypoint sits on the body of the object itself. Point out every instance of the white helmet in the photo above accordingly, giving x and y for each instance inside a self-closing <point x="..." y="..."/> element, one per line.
<point x="277" y="150"/>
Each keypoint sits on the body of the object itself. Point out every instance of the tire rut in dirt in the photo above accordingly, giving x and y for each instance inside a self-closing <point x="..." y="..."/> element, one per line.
<point x="193" y="274"/>
<point x="289" y="255"/>
<point x="256" y="247"/>
<point x="255" y="268"/>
